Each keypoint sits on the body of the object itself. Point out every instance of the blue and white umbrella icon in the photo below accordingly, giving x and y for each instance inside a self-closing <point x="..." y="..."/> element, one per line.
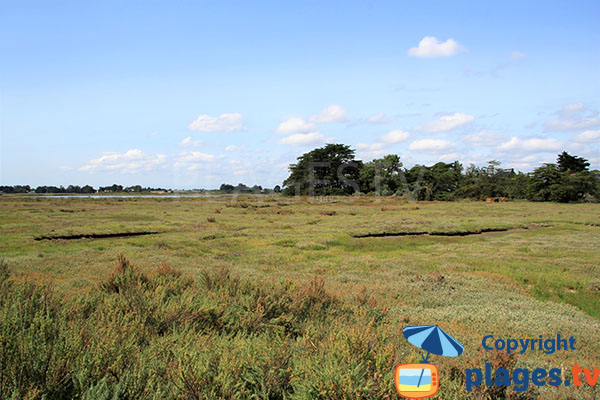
<point x="432" y="339"/>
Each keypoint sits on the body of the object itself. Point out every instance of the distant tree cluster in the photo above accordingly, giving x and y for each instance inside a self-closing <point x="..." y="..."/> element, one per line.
<point x="75" y="189"/>
<point x="333" y="170"/>
<point x="15" y="189"/>
<point x="241" y="188"/>
<point x="69" y="189"/>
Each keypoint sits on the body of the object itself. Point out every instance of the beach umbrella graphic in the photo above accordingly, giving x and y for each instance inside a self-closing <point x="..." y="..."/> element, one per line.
<point x="432" y="339"/>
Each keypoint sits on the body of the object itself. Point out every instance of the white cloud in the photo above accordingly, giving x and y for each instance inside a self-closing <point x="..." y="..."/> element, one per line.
<point x="368" y="152"/>
<point x="375" y="119"/>
<point x="223" y="123"/>
<point x="189" y="142"/>
<point x="513" y="144"/>
<point x="234" y="148"/>
<point x="516" y="55"/>
<point x="588" y="137"/>
<point x="526" y="163"/>
<point x="562" y="126"/>
<point x="379" y="117"/>
<point x="450" y="157"/>
<point x="548" y="144"/>
<point x="370" y="155"/>
<point x="295" y="125"/>
<point x="130" y="162"/>
<point x="374" y="146"/>
<point x="303" y="139"/>
<point x="536" y="145"/>
<point x="431" y="145"/>
<point x="430" y="46"/>
<point x="192" y="160"/>
<point x="395" y="136"/>
<point x="332" y="113"/>
<point x="573" y="117"/>
<point x="446" y="123"/>
<point x="570" y="108"/>
<point x="484" y="138"/>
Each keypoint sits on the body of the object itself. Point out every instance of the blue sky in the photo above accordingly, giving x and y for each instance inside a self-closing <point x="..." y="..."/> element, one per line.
<point x="194" y="94"/>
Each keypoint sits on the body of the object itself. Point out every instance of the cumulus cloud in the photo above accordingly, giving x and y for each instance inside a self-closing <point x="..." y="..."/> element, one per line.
<point x="332" y="113"/>
<point x="430" y="46"/>
<point x="446" y="123"/>
<point x="536" y="145"/>
<point x="189" y="142"/>
<point x="368" y="152"/>
<point x="450" y="157"/>
<point x="376" y="117"/>
<point x="366" y="146"/>
<point x="303" y="139"/>
<point x="484" y="138"/>
<point x="431" y="145"/>
<point x="192" y="160"/>
<point x="295" y="125"/>
<point x="395" y="136"/>
<point x="588" y="137"/>
<point x="130" y="162"/>
<point x="234" y="148"/>
<point x="573" y="117"/>
<point x="230" y="122"/>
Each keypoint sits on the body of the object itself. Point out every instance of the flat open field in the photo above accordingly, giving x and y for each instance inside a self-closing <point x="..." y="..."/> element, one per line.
<point x="330" y="326"/>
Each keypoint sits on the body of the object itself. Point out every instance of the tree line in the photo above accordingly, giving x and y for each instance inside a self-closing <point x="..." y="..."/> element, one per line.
<point x="334" y="170"/>
<point x="76" y="189"/>
<point x="241" y="188"/>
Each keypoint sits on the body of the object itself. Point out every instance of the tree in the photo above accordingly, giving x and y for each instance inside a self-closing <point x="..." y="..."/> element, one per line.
<point x="567" y="162"/>
<point x="15" y="189"/>
<point x="518" y="186"/>
<point x="111" y="189"/>
<point x="226" y="188"/>
<point x="549" y="183"/>
<point x="134" y="189"/>
<point x="73" y="189"/>
<point x="381" y="175"/>
<point x="277" y="189"/>
<point x="327" y="170"/>
<point x="437" y="182"/>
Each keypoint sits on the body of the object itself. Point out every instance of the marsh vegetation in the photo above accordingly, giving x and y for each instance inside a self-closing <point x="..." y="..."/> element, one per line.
<point x="274" y="297"/>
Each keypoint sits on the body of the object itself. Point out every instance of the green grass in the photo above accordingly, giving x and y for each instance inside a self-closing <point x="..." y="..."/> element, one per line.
<point x="277" y="293"/>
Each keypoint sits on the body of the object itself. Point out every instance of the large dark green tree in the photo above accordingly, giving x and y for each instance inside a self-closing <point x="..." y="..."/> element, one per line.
<point x="437" y="182"/>
<point x="331" y="169"/>
<point x="381" y="176"/>
<point x="490" y="181"/>
<point x="567" y="162"/>
<point x="552" y="182"/>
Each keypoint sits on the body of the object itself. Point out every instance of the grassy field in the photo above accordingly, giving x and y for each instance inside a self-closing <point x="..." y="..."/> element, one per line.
<point x="275" y="297"/>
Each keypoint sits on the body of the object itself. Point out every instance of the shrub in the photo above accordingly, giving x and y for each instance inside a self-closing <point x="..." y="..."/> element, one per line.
<point x="163" y="335"/>
<point x="124" y="277"/>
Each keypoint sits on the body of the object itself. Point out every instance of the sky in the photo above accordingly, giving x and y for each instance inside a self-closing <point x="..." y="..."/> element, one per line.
<point x="182" y="94"/>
